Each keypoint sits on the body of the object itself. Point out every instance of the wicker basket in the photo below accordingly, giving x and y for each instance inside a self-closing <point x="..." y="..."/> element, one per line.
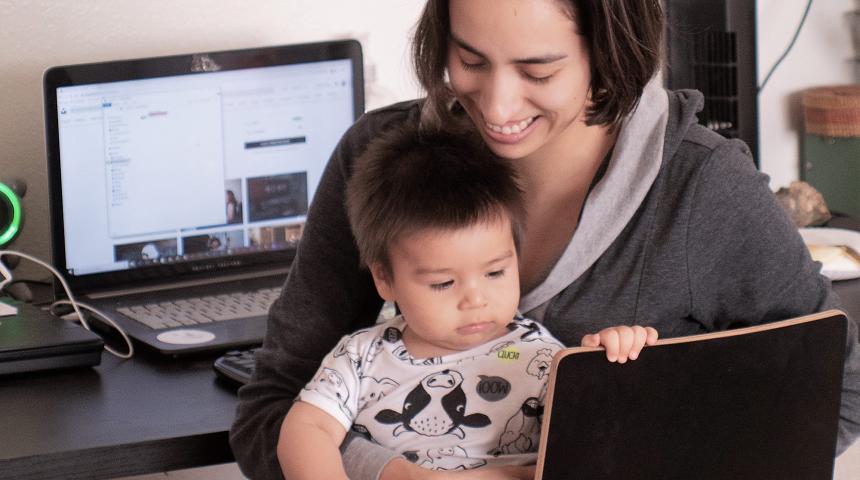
<point x="832" y="111"/>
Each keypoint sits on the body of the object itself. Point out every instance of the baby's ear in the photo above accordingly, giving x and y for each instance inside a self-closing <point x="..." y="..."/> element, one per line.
<point x="383" y="285"/>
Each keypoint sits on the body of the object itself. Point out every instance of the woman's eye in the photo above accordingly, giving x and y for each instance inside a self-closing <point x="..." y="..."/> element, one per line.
<point x="470" y="66"/>
<point x="537" y="79"/>
<point x="442" y="285"/>
<point x="496" y="274"/>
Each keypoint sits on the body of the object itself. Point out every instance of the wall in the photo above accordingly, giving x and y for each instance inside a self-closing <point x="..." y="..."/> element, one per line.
<point x="822" y="55"/>
<point x="41" y="33"/>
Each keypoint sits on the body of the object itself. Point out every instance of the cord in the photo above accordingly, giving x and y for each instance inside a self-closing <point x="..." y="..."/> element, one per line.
<point x="787" y="49"/>
<point x="29" y="280"/>
<point x="77" y="306"/>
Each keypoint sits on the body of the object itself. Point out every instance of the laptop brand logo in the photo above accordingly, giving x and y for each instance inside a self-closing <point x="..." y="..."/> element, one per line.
<point x="204" y="63"/>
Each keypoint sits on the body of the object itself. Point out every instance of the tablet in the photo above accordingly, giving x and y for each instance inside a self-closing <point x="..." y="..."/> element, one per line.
<point x="759" y="402"/>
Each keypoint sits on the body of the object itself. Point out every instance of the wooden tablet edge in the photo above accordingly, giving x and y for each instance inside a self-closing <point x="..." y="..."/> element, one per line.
<point x="668" y="341"/>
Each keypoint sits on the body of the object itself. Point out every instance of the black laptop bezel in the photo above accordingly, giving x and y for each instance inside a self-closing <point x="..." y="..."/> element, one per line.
<point x="165" y="66"/>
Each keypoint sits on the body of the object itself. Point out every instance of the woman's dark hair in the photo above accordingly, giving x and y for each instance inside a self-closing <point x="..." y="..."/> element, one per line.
<point x="408" y="181"/>
<point x="624" y="40"/>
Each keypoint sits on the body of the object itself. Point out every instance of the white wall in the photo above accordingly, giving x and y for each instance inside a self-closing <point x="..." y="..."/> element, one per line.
<point x="823" y="55"/>
<point x="41" y="33"/>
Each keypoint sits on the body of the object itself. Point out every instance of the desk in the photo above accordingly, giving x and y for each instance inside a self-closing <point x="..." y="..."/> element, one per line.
<point x="121" y="418"/>
<point x="144" y="415"/>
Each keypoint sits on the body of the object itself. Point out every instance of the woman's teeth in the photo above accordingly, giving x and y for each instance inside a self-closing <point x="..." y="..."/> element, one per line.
<point x="511" y="129"/>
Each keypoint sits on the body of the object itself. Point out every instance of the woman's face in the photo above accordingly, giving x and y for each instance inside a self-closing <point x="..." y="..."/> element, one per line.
<point x="521" y="71"/>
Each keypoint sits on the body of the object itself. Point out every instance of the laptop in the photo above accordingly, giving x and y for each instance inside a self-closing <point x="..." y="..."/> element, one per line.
<point x="759" y="402"/>
<point x="179" y="186"/>
<point x="32" y="339"/>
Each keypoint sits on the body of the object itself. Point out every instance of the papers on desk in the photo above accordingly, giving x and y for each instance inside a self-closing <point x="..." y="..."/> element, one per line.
<point x="837" y="250"/>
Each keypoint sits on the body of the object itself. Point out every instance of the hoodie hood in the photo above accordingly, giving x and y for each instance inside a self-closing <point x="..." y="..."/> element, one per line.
<point x="650" y="134"/>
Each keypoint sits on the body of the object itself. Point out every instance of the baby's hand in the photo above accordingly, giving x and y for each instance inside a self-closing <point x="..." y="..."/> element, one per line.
<point x="621" y="342"/>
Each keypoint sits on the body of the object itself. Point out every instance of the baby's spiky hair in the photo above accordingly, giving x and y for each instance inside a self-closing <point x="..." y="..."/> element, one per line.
<point x="408" y="181"/>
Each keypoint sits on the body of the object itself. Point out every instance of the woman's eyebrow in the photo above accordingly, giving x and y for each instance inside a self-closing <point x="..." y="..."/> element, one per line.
<point x="539" y="60"/>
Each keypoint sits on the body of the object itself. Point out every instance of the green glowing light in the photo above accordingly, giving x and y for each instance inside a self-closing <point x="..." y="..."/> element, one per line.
<point x="9" y="233"/>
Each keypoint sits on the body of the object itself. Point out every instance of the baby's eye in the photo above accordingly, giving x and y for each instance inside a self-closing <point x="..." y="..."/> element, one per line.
<point x="496" y="274"/>
<point x="442" y="285"/>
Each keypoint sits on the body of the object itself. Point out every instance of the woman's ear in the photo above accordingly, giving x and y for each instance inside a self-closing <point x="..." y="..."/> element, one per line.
<point x="383" y="285"/>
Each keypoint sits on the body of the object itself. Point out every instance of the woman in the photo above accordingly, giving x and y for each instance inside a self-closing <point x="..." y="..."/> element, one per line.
<point x="621" y="186"/>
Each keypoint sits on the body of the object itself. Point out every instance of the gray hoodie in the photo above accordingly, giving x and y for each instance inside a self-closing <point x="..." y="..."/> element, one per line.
<point x="681" y="233"/>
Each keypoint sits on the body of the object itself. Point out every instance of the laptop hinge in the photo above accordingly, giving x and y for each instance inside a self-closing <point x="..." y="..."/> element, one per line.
<point x="186" y="283"/>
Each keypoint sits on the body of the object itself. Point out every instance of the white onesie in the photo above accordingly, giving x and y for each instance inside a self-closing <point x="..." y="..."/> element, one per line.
<point x="465" y="410"/>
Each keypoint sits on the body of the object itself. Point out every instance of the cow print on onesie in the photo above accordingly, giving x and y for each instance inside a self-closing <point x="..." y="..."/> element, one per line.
<point x="435" y="407"/>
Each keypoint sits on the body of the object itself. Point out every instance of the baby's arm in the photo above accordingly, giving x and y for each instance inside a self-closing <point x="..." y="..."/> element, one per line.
<point x="622" y="342"/>
<point x="308" y="447"/>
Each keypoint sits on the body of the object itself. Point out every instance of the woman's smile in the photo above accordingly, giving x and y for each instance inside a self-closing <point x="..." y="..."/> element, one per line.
<point x="511" y="132"/>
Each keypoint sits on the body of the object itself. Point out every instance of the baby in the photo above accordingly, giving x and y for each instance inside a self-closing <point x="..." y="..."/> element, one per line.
<point x="458" y="379"/>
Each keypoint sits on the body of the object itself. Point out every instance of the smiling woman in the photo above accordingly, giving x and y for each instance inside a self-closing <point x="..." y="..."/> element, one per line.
<point x="525" y="97"/>
<point x="620" y="184"/>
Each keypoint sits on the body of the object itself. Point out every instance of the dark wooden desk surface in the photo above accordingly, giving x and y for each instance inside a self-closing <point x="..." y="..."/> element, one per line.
<point x="131" y="417"/>
<point x="145" y="415"/>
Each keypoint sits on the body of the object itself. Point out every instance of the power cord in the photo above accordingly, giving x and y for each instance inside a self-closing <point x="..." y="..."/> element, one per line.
<point x="76" y="305"/>
<point x="787" y="49"/>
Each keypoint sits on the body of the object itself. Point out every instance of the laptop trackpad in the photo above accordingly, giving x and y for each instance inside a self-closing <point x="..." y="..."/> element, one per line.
<point x="185" y="336"/>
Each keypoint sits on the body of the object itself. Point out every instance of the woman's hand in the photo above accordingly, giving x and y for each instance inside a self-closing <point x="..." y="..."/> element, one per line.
<point x="401" y="469"/>
<point x="621" y="342"/>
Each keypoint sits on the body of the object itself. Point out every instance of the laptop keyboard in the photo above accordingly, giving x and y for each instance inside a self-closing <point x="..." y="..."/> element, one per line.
<point x="202" y="310"/>
<point x="236" y="365"/>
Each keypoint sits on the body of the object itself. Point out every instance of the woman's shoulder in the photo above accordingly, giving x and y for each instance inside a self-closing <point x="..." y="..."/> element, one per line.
<point x="404" y="107"/>
<point x="374" y="123"/>
<point x="696" y="148"/>
<point x="381" y="119"/>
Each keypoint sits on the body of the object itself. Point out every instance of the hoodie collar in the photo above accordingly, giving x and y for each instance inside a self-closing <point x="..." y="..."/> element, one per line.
<point x="635" y="162"/>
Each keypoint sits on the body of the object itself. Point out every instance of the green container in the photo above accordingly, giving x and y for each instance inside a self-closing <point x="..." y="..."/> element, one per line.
<point x="832" y="166"/>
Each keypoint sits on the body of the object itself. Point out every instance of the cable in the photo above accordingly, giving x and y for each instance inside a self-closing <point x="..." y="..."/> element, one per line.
<point x="77" y="306"/>
<point x="788" y="49"/>
<point x="29" y="280"/>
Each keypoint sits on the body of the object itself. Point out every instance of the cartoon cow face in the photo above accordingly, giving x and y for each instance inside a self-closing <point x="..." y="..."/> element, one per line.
<point x="436" y="406"/>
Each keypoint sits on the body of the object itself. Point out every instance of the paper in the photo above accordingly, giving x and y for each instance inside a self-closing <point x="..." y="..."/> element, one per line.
<point x="7" y="310"/>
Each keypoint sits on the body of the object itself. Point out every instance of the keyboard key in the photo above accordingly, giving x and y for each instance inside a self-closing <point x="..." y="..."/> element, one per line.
<point x="202" y="310"/>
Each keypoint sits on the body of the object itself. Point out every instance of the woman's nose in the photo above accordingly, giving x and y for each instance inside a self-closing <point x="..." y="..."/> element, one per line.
<point x="501" y="98"/>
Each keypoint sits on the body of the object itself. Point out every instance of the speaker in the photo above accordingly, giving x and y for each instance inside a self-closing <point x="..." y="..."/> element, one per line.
<point x="711" y="46"/>
<point x="11" y="210"/>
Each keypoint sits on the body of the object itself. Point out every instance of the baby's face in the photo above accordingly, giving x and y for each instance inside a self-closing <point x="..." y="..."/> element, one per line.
<point x="455" y="288"/>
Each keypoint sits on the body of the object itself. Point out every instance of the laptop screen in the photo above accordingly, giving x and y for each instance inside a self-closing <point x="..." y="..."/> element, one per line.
<point x="208" y="166"/>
